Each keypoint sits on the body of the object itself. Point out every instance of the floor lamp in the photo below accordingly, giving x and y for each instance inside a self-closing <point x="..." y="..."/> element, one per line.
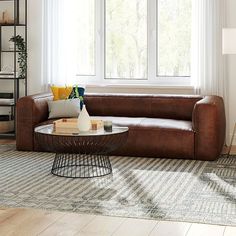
<point x="229" y="47"/>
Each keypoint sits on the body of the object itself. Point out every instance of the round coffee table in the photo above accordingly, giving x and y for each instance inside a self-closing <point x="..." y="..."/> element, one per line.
<point x="81" y="155"/>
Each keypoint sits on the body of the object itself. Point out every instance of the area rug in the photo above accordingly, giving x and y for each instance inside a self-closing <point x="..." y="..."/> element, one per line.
<point x="149" y="188"/>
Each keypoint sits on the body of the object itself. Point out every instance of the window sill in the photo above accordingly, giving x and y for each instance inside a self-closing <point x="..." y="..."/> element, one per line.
<point x="139" y="88"/>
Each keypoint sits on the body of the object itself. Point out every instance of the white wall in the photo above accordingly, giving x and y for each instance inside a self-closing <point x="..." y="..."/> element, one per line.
<point x="231" y="66"/>
<point x="35" y="8"/>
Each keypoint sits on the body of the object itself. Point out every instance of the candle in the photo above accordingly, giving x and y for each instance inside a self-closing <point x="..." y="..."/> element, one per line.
<point x="108" y="126"/>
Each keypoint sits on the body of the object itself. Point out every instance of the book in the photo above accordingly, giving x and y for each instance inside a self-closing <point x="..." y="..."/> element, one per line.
<point x="6" y="101"/>
<point x="6" y="126"/>
<point x="5" y="117"/>
<point x="8" y="74"/>
<point x="6" y="95"/>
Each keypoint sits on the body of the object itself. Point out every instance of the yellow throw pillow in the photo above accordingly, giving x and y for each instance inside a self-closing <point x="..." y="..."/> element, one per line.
<point x="61" y="93"/>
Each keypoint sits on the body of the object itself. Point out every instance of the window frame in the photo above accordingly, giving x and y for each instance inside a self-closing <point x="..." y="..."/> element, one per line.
<point x="152" y="54"/>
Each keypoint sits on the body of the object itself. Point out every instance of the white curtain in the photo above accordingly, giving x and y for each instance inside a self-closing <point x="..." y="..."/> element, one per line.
<point x="208" y="63"/>
<point x="59" y="43"/>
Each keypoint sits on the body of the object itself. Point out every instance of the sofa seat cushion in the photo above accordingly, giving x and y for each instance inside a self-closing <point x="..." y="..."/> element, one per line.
<point x="149" y="122"/>
<point x="142" y="122"/>
<point x="167" y="138"/>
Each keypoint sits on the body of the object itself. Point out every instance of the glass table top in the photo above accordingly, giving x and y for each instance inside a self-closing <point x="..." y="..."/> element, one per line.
<point x="49" y="129"/>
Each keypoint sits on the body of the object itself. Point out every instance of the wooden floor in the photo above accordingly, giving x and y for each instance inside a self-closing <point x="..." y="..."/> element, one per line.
<point x="31" y="222"/>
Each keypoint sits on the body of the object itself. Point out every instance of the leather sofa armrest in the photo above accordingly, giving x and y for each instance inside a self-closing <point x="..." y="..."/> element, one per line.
<point x="209" y="124"/>
<point x="30" y="111"/>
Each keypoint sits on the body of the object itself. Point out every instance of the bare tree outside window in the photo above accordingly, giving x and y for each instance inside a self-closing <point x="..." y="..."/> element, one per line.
<point x="174" y="37"/>
<point x="127" y="36"/>
<point x="85" y="36"/>
<point x="126" y="39"/>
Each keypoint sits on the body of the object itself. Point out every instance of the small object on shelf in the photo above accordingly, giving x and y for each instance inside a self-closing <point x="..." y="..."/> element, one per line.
<point x="6" y="124"/>
<point x="5" y="117"/>
<point x="6" y="101"/>
<point x="6" y="95"/>
<point x="108" y="126"/>
<point x="8" y="74"/>
<point x="6" y="19"/>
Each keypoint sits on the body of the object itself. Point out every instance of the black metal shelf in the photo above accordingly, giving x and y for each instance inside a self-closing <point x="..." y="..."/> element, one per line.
<point x="8" y="135"/>
<point x="11" y="51"/>
<point x="14" y="24"/>
<point x="11" y="78"/>
<point x="6" y="25"/>
<point x="5" y="105"/>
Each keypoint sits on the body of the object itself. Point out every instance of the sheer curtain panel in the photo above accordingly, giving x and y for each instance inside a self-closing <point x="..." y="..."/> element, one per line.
<point x="66" y="47"/>
<point x="208" y="63"/>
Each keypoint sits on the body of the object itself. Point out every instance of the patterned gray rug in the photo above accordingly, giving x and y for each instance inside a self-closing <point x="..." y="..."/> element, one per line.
<point x="182" y="190"/>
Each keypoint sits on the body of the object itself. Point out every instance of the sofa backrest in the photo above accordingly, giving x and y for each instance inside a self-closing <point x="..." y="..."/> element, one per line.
<point x="178" y="107"/>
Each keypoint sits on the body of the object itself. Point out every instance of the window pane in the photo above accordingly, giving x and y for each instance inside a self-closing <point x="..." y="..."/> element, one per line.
<point x="85" y="30"/>
<point x="174" y="37"/>
<point x="126" y="39"/>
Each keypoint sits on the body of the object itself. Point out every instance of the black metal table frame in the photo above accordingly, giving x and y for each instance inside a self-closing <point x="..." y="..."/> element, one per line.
<point x="85" y="156"/>
<point x="81" y="165"/>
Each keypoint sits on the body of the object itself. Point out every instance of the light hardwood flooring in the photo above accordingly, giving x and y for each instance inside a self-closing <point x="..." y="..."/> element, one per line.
<point x="32" y="222"/>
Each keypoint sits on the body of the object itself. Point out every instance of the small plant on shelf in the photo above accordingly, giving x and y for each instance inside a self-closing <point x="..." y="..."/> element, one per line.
<point x="22" y="54"/>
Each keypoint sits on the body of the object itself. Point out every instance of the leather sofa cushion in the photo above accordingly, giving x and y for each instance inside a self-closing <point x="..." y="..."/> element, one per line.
<point x="142" y="122"/>
<point x="152" y="106"/>
<point x="149" y="122"/>
<point x="163" y="137"/>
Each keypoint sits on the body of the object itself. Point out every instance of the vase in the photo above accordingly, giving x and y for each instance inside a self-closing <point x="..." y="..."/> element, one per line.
<point x="84" y="122"/>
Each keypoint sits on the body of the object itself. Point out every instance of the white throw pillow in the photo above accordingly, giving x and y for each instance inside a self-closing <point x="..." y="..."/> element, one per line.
<point x="64" y="108"/>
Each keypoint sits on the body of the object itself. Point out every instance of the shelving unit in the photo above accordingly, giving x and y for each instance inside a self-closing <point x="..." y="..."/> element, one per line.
<point x="20" y="20"/>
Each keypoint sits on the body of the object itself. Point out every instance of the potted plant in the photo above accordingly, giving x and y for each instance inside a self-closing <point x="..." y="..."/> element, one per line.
<point x="22" y="54"/>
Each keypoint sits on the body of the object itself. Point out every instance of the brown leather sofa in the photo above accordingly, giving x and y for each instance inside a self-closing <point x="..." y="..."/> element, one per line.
<point x="164" y="126"/>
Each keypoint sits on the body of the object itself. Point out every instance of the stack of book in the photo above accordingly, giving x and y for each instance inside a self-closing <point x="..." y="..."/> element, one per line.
<point x="6" y="124"/>
<point x="5" y="118"/>
<point x="6" y="74"/>
<point x="6" y="99"/>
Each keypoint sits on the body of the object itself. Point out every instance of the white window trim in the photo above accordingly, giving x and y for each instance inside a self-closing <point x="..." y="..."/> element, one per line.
<point x="153" y="80"/>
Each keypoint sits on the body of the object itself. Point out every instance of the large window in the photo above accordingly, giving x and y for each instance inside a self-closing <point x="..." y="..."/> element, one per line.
<point x="85" y="36"/>
<point x="126" y="39"/>
<point x="174" y="37"/>
<point x="129" y="41"/>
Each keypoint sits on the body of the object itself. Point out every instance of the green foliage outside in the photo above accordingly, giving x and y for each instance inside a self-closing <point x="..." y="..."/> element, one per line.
<point x="126" y="38"/>
<point x="174" y="41"/>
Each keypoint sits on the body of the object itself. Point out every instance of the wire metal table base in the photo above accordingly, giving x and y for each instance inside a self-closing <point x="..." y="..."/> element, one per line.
<point x="81" y="155"/>
<point x="81" y="165"/>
